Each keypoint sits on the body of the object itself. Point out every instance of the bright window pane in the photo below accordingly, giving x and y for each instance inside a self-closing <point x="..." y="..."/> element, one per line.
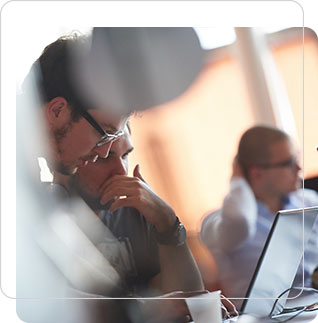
<point x="289" y="60"/>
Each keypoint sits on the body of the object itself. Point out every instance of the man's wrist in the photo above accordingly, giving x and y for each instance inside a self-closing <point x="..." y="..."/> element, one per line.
<point x="174" y="236"/>
<point x="165" y="221"/>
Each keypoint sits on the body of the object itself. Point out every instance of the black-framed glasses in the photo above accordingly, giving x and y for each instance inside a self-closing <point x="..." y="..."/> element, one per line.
<point x="291" y="162"/>
<point x="106" y="137"/>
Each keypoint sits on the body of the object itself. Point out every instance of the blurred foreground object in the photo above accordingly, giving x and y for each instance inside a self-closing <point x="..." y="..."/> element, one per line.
<point x="56" y="258"/>
<point x="137" y="68"/>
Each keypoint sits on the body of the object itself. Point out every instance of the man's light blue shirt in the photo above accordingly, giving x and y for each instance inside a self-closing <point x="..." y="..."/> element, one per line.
<point x="236" y="234"/>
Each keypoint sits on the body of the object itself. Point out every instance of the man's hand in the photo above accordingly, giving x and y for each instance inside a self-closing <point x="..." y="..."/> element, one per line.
<point x="228" y="308"/>
<point x="134" y="192"/>
<point x="236" y="168"/>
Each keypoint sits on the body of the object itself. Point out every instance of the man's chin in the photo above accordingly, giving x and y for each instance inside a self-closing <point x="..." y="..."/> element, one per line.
<point x="296" y="186"/>
<point x="66" y="170"/>
<point x="73" y="170"/>
<point x="299" y="184"/>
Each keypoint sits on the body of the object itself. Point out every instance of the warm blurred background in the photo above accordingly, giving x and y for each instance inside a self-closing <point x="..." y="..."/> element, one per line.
<point x="186" y="147"/>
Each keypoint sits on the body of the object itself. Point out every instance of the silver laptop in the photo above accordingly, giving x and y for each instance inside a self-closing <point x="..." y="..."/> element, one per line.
<point x="279" y="261"/>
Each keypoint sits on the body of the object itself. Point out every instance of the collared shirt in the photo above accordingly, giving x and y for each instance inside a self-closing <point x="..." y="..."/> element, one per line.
<point x="136" y="237"/>
<point x="236" y="234"/>
<point x="123" y="237"/>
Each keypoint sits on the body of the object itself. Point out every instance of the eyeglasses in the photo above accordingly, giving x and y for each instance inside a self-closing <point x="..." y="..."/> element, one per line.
<point x="291" y="162"/>
<point x="106" y="137"/>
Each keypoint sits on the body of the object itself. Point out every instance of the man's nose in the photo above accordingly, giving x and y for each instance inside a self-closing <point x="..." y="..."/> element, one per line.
<point x="103" y="151"/>
<point x="120" y="167"/>
<point x="297" y="167"/>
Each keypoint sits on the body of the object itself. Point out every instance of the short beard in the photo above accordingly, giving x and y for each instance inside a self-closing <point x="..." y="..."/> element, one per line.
<point x="65" y="169"/>
<point x="92" y="202"/>
<point x="59" y="135"/>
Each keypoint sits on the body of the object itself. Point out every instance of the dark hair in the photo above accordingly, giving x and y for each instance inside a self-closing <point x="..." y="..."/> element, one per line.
<point x="54" y="75"/>
<point x="254" y="146"/>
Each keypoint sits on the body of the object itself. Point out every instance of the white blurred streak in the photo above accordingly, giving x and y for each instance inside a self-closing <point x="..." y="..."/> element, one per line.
<point x="215" y="37"/>
<point x="29" y="197"/>
<point x="45" y="174"/>
<point x="76" y="256"/>
<point x="49" y="222"/>
<point x="32" y="205"/>
<point x="32" y="138"/>
<point x="131" y="69"/>
<point x="52" y="251"/>
<point x="267" y="92"/>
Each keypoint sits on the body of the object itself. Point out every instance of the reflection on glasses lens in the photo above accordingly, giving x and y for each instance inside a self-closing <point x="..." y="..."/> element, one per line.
<point x="107" y="138"/>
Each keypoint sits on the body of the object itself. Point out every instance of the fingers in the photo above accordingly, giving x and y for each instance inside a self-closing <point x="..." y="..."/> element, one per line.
<point x="225" y="312"/>
<point x="122" y="185"/>
<point x="125" y="180"/>
<point x="137" y="173"/>
<point x="123" y="202"/>
<point x="122" y="182"/>
<point x="229" y="306"/>
<point x="119" y="191"/>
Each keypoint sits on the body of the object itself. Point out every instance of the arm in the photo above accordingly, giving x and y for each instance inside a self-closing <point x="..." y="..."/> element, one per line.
<point x="230" y="226"/>
<point x="178" y="268"/>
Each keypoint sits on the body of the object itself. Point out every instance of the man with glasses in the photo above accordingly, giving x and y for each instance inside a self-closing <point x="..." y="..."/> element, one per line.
<point x="75" y="132"/>
<point x="78" y="133"/>
<point x="265" y="180"/>
<point x="150" y="263"/>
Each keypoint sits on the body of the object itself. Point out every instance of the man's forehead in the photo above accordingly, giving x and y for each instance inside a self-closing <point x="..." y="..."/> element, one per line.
<point x="285" y="147"/>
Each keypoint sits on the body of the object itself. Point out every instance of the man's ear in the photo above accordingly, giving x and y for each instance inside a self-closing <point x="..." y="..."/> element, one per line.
<point x="58" y="112"/>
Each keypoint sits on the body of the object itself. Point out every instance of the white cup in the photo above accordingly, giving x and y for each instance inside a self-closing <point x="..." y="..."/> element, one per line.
<point x="205" y="308"/>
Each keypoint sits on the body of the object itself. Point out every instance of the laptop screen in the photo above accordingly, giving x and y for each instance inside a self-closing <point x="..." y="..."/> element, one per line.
<point x="279" y="261"/>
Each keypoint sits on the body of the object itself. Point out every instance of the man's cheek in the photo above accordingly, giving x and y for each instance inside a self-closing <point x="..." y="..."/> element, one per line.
<point x="127" y="167"/>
